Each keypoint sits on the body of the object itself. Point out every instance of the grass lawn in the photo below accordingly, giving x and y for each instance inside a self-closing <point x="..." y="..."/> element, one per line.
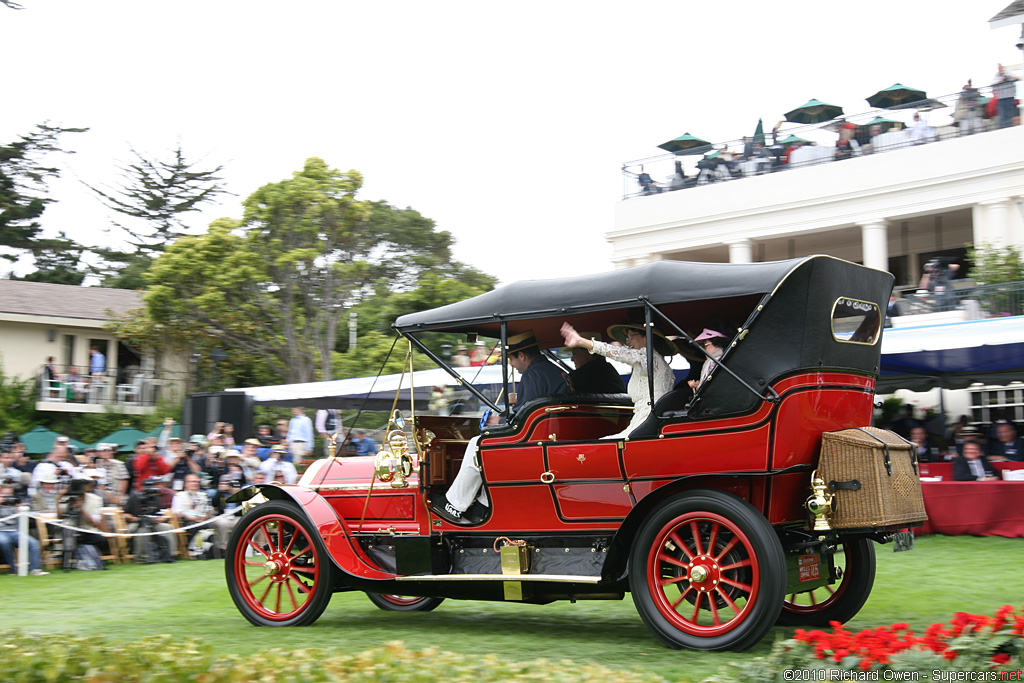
<point x="941" y="576"/>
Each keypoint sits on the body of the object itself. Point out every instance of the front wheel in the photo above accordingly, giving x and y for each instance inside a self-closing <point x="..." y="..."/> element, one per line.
<point x="855" y="558"/>
<point x="277" y="568"/>
<point x="400" y="603"/>
<point x="707" y="572"/>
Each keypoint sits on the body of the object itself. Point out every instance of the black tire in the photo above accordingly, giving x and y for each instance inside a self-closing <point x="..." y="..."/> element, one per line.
<point x="737" y="594"/>
<point x="400" y="603"/>
<point x="842" y="601"/>
<point x="289" y="559"/>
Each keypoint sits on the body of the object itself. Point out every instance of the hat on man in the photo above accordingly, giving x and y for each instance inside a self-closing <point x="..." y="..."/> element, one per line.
<point x="174" y="438"/>
<point x="216" y="450"/>
<point x="662" y="345"/>
<point x="522" y="341"/>
<point x="254" y="442"/>
<point x="100" y="447"/>
<point x="63" y="439"/>
<point x="49" y="479"/>
<point x="970" y="430"/>
<point x="92" y="474"/>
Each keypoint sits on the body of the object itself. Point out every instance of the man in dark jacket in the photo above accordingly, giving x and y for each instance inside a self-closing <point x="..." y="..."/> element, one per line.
<point x="1008" y="445"/>
<point x="594" y="374"/>
<point x="972" y="465"/>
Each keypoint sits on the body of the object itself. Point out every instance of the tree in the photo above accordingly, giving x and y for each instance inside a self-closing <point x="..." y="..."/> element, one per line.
<point x="23" y="187"/>
<point x="57" y="262"/>
<point x="156" y="194"/>
<point x="274" y="286"/>
<point x="992" y="265"/>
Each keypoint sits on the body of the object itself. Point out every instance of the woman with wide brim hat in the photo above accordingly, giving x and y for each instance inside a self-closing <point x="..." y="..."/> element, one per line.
<point x="633" y="352"/>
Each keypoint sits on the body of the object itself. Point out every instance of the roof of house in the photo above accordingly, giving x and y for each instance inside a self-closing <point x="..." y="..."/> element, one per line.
<point x="66" y="301"/>
<point x="1010" y="15"/>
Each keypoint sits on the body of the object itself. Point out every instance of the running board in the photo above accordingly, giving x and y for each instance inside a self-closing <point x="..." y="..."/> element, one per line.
<point x="554" y="578"/>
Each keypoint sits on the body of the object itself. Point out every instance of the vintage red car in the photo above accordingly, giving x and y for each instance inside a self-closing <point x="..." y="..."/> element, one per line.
<point x="700" y="513"/>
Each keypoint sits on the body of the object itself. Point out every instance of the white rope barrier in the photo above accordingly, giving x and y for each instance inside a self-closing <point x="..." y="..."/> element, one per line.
<point x="24" y="515"/>
<point x="53" y="522"/>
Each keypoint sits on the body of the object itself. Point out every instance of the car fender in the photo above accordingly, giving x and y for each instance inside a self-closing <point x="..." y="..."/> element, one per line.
<point x="333" y="530"/>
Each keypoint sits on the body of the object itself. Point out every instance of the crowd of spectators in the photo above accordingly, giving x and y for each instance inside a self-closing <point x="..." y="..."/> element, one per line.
<point x="165" y="483"/>
<point x="970" y="449"/>
<point x="777" y="151"/>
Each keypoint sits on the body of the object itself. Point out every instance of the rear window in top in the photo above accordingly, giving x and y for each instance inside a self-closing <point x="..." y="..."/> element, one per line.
<point x="855" y="321"/>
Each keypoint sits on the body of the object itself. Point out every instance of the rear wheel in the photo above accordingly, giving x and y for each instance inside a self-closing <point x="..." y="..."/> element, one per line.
<point x="277" y="568"/>
<point x="707" y="572"/>
<point x="855" y="559"/>
<point x="400" y="603"/>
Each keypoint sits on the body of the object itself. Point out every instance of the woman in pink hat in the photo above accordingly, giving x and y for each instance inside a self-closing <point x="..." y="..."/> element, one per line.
<point x="713" y="343"/>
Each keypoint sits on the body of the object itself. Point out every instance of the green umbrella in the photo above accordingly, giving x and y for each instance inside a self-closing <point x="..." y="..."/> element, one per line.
<point x="792" y="140"/>
<point x="814" y="111"/>
<point x="686" y="144"/>
<point x="759" y="133"/>
<point x="896" y="96"/>
<point x="885" y="123"/>
<point x="40" y="440"/>
<point x="125" y="438"/>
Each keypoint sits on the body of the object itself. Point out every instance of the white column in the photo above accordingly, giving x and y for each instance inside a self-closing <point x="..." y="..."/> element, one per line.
<point x="741" y="251"/>
<point x="997" y="224"/>
<point x="875" y="243"/>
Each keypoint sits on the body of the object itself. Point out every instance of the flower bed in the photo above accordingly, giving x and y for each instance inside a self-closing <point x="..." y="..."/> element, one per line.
<point x="968" y="642"/>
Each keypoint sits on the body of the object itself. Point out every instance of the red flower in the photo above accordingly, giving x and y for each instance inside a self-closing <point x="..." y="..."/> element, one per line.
<point x="1001" y="658"/>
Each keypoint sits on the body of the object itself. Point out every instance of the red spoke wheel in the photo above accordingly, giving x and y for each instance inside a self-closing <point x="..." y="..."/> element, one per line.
<point x="401" y="603"/>
<point x="855" y="560"/>
<point x="707" y="572"/>
<point x="277" y="567"/>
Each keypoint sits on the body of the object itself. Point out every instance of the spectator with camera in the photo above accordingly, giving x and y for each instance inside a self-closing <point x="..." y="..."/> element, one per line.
<point x="275" y="463"/>
<point x="115" y="473"/>
<point x="147" y="463"/>
<point x="9" y="473"/>
<point x="229" y="485"/>
<point x="146" y="513"/>
<point x="10" y="537"/>
<point x="81" y="507"/>
<point x="191" y="505"/>
<point x="47" y="495"/>
<point x="55" y="463"/>
<point x="181" y="462"/>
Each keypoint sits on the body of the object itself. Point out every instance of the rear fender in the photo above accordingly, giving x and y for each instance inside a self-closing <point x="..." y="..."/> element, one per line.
<point x="334" y="531"/>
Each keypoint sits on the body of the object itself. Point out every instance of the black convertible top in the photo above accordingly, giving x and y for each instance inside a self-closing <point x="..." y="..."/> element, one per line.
<point x="662" y="282"/>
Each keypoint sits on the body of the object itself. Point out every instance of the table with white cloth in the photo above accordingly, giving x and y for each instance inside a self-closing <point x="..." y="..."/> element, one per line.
<point x="812" y="154"/>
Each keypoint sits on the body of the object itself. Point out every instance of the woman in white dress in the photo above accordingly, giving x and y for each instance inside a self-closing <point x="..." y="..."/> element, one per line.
<point x="633" y="352"/>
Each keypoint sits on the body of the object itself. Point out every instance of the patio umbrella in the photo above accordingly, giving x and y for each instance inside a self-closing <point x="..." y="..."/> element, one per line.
<point x="686" y="144"/>
<point x="125" y="438"/>
<point x="792" y="140"/>
<point x="814" y="111"/>
<point x="759" y="133"/>
<point x="40" y="440"/>
<point x="896" y="96"/>
<point x="885" y="123"/>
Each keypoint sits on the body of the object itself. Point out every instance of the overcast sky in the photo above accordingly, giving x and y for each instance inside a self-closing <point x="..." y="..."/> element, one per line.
<point x="507" y="123"/>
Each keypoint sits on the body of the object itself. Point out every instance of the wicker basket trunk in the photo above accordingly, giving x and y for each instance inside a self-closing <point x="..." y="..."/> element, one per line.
<point x="874" y="475"/>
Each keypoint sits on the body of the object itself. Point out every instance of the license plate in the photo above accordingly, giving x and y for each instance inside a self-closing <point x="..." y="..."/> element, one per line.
<point x="902" y="541"/>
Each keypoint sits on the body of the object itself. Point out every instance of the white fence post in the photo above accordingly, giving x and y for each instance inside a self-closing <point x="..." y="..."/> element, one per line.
<point x="23" y="541"/>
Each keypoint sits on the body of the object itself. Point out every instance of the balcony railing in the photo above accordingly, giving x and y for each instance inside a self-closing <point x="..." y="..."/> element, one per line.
<point x="78" y="386"/>
<point x="974" y="301"/>
<point x="738" y="159"/>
